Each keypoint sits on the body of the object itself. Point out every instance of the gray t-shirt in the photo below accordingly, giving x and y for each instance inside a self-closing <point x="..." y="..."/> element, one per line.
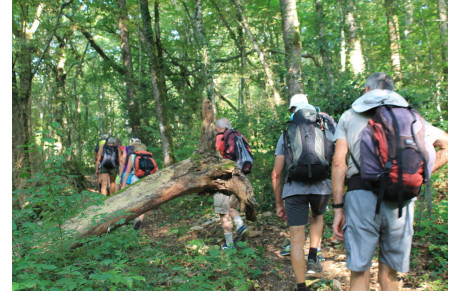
<point x="350" y="126"/>
<point x="294" y="188"/>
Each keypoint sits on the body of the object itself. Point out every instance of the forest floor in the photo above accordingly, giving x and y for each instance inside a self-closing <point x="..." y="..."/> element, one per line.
<point x="267" y="232"/>
<point x="269" y="235"/>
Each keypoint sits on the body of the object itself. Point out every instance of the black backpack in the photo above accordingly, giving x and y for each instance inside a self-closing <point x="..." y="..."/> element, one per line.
<point x="109" y="158"/>
<point x="309" y="146"/>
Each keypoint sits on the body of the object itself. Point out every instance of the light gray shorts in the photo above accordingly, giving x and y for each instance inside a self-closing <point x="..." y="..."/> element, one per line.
<point x="223" y="203"/>
<point x="364" y="229"/>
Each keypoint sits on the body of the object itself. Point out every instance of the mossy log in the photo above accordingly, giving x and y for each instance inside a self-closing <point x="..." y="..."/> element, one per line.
<point x="198" y="174"/>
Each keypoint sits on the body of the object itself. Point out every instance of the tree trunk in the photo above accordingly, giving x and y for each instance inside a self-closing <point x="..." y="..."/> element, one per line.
<point x="443" y="28"/>
<point x="21" y="98"/>
<point x="323" y="42"/>
<point x="292" y="46"/>
<point x="155" y="77"/>
<point x="355" y="56"/>
<point x="133" y="109"/>
<point x="204" y="175"/>
<point x="393" y="36"/>
<point x="269" y="80"/>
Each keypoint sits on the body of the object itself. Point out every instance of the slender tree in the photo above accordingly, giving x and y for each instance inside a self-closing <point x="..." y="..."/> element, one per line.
<point x="158" y="94"/>
<point x="292" y="46"/>
<point x="393" y="37"/>
<point x="269" y="79"/>
<point x="133" y="108"/>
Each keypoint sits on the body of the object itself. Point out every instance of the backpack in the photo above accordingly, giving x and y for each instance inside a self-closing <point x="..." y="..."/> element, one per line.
<point x="109" y="157"/>
<point x="236" y="148"/>
<point x="309" y="146"/>
<point x="99" y="144"/>
<point x="144" y="164"/>
<point x="394" y="155"/>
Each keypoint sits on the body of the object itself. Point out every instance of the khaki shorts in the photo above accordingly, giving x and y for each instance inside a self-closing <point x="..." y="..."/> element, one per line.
<point x="364" y="230"/>
<point x="223" y="203"/>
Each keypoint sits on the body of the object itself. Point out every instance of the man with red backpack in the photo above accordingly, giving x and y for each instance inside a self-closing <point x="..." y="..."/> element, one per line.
<point x="226" y="205"/>
<point x="392" y="153"/>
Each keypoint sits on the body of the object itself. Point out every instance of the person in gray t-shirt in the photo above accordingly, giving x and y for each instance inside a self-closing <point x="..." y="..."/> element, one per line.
<point x="355" y="221"/>
<point x="293" y="200"/>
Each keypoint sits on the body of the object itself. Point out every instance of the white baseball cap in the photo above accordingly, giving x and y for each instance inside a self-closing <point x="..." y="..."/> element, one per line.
<point x="298" y="100"/>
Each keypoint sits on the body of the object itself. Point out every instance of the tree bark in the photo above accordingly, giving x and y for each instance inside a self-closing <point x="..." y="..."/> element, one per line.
<point x="292" y="46"/>
<point x="443" y="28"/>
<point x="159" y="91"/>
<point x="356" y="58"/>
<point x="323" y="42"/>
<point x="393" y="36"/>
<point x="133" y="109"/>
<point x="269" y="80"/>
<point x="198" y="174"/>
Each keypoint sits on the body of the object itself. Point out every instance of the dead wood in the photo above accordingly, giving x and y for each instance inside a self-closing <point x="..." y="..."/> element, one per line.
<point x="198" y="174"/>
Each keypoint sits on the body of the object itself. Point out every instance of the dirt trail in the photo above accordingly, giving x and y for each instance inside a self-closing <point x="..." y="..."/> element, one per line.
<point x="270" y="236"/>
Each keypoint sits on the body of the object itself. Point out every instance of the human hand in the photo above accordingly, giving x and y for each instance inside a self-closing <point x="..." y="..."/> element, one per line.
<point x="281" y="212"/>
<point x="339" y="221"/>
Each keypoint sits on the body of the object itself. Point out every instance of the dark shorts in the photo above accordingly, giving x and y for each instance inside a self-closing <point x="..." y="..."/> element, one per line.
<point x="297" y="207"/>
<point x="112" y="172"/>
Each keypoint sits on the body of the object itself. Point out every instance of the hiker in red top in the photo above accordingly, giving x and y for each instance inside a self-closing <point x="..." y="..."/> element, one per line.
<point x="140" y="164"/>
<point x="226" y="205"/>
<point x="355" y="219"/>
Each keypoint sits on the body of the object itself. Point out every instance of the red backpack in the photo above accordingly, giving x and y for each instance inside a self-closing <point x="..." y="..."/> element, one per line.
<point x="237" y="149"/>
<point x="395" y="158"/>
<point x="144" y="164"/>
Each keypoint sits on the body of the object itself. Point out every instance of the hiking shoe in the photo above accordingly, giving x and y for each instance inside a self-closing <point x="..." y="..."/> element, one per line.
<point x="242" y="234"/>
<point x="225" y="246"/>
<point x="286" y="251"/>
<point x="137" y="225"/>
<point x="314" y="267"/>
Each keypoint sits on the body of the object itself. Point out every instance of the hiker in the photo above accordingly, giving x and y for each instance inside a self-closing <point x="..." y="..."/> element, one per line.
<point x="99" y="143"/>
<point x="226" y="205"/>
<point x="107" y="165"/>
<point x="137" y="170"/>
<point x="306" y="185"/>
<point x="356" y="221"/>
<point x="122" y="162"/>
<point x="128" y="151"/>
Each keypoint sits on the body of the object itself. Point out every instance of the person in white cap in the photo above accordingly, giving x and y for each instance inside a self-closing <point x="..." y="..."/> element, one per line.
<point x="293" y="200"/>
<point x="355" y="221"/>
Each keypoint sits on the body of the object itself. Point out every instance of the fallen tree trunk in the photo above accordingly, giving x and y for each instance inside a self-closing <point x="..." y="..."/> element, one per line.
<point x="198" y="174"/>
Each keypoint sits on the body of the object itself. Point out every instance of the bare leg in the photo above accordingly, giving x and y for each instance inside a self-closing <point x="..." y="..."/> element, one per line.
<point x="104" y="182"/>
<point x="226" y="223"/>
<point x="316" y="230"/>
<point x="359" y="281"/>
<point x="297" y="234"/>
<point x="388" y="278"/>
<point x="112" y="184"/>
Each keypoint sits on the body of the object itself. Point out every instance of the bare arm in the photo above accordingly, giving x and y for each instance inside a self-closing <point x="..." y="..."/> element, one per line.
<point x="339" y="171"/>
<point x="441" y="154"/>
<point x="98" y="159"/>
<point x="277" y="183"/>
<point x="128" y="171"/>
<point x="121" y="159"/>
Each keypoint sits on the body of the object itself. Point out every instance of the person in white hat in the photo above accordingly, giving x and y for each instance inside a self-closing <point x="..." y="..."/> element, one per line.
<point x="355" y="221"/>
<point x="293" y="201"/>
